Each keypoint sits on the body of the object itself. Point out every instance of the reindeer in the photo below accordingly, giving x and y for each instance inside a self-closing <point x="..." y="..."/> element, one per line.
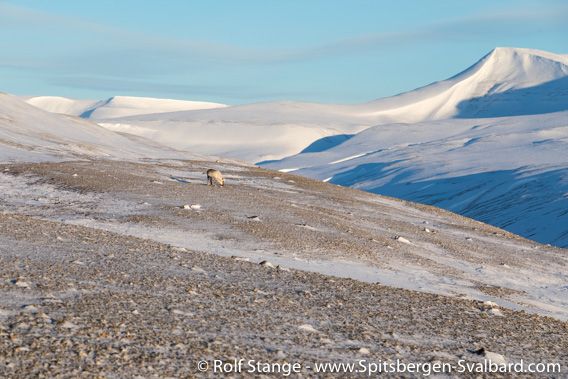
<point x="214" y="177"/>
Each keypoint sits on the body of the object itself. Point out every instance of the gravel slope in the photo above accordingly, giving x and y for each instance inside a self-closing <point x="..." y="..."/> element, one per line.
<point x="79" y="301"/>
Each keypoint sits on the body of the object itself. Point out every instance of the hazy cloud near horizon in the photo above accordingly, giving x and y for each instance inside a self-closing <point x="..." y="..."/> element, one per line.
<point x="69" y="51"/>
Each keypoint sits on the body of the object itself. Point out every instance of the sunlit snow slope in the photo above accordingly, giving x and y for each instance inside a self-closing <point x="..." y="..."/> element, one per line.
<point x="30" y="134"/>
<point x="117" y="106"/>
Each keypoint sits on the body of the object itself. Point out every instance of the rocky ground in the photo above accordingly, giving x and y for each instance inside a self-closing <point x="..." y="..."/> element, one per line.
<point x="80" y="301"/>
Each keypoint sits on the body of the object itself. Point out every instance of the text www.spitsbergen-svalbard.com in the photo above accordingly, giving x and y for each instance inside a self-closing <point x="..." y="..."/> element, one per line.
<point x="371" y="368"/>
<point x="429" y="368"/>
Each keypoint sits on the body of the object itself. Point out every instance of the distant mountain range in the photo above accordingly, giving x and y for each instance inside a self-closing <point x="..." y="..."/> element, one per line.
<point x="30" y="134"/>
<point x="490" y="143"/>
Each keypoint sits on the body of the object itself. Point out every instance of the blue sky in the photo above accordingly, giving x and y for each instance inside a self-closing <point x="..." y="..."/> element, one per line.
<point x="245" y="51"/>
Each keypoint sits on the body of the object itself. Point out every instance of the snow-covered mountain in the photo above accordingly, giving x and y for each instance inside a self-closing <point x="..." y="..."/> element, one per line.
<point x="253" y="132"/>
<point x="489" y="142"/>
<point x="30" y="134"/>
<point x="506" y="82"/>
<point x="117" y="106"/>
<point x="58" y="104"/>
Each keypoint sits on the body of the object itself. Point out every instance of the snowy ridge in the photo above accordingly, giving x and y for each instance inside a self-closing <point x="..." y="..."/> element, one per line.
<point x="253" y="132"/>
<point x="117" y="106"/>
<point x="30" y="134"/>
<point x="57" y="104"/>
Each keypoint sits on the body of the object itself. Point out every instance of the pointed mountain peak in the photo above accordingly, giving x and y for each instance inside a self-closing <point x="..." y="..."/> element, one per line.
<point x="508" y="81"/>
<point x="520" y="68"/>
<point x="516" y="52"/>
